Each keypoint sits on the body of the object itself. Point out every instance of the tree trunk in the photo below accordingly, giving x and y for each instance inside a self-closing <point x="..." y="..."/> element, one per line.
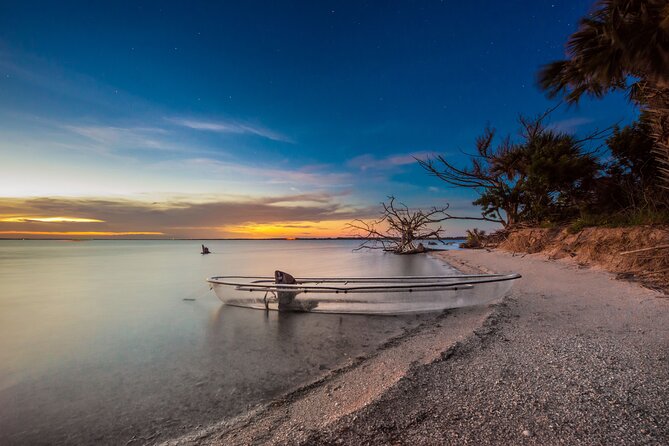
<point x="511" y="217"/>
<point x="657" y="106"/>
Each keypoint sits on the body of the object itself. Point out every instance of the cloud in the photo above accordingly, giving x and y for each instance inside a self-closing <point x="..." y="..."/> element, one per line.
<point x="58" y="234"/>
<point x="126" y="138"/>
<point x="370" y="162"/>
<point x="321" y="197"/>
<point x="232" y="127"/>
<point x="25" y="219"/>
<point x="570" y="125"/>
<point x="52" y="81"/>
<point x="173" y="218"/>
<point x="306" y="176"/>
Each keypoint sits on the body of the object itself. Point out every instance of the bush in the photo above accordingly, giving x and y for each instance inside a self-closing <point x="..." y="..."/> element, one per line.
<point x="475" y="239"/>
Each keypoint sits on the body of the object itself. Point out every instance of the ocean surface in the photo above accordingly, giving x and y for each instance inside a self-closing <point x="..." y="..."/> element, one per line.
<point x="101" y="342"/>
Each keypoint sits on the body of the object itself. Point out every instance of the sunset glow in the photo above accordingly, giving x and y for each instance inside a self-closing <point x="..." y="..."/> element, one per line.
<point x="291" y="230"/>
<point x="202" y="129"/>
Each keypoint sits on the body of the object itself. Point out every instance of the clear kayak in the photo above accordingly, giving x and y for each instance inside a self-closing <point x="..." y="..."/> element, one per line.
<point x="361" y="295"/>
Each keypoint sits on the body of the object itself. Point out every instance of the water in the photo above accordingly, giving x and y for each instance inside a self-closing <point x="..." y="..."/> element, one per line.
<point x="98" y="345"/>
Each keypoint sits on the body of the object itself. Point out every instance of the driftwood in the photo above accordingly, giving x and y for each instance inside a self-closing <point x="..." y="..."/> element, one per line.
<point x="645" y="249"/>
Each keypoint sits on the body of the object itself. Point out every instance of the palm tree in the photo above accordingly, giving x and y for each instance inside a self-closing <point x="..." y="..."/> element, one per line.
<point x="621" y="45"/>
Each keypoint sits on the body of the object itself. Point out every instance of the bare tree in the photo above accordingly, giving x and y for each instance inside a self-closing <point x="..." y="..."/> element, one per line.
<point x="400" y="229"/>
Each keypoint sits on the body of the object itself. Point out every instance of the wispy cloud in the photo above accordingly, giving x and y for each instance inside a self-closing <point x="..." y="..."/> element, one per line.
<point x="57" y="234"/>
<point x="125" y="137"/>
<point x="570" y="125"/>
<point x="229" y="126"/>
<point x="96" y="98"/>
<point x="370" y="162"/>
<point x="306" y="176"/>
<point x="320" y="197"/>
<point x="25" y="219"/>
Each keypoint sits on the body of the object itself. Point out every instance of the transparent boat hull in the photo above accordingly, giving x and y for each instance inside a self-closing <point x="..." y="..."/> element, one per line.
<point x="398" y="295"/>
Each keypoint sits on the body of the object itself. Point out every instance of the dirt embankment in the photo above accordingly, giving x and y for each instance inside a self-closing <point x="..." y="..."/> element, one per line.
<point x="639" y="253"/>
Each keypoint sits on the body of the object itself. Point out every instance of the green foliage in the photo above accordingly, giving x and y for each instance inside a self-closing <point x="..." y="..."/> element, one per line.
<point x="631" y="148"/>
<point x="543" y="176"/>
<point x="475" y="239"/>
<point x="557" y="173"/>
<point x="628" y="182"/>
<point x="621" y="40"/>
<point x="634" y="217"/>
<point x="546" y="178"/>
<point x="621" y="45"/>
<point x="548" y="225"/>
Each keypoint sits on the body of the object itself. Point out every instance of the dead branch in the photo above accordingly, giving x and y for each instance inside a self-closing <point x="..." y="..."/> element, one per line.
<point x="644" y="249"/>
<point x="400" y="228"/>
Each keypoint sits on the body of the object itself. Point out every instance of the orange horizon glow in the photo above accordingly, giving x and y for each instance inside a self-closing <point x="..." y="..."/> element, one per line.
<point x="290" y="230"/>
<point x="284" y="230"/>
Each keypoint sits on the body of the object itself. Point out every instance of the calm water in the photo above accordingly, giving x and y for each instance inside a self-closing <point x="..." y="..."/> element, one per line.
<point x="97" y="343"/>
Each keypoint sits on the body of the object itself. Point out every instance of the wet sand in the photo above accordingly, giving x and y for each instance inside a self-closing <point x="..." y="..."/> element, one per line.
<point x="296" y="416"/>
<point x="572" y="356"/>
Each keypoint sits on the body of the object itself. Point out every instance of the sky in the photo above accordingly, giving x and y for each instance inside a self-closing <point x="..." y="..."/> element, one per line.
<point x="260" y="118"/>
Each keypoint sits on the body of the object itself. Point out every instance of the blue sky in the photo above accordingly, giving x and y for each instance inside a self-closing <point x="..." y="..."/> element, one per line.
<point x="220" y="119"/>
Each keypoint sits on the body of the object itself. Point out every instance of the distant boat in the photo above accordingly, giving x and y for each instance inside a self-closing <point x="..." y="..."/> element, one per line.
<point x="205" y="250"/>
<point x="361" y="295"/>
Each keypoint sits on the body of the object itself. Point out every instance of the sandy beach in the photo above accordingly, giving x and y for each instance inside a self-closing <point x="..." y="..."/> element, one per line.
<point x="571" y="356"/>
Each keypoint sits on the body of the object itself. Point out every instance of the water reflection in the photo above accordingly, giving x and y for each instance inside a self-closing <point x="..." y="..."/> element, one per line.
<point x="97" y="344"/>
<point x="292" y="340"/>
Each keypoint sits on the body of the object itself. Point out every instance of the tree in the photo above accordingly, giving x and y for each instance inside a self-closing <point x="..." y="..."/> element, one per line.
<point x="399" y="227"/>
<point x="475" y="239"/>
<point x="628" y="181"/>
<point x="621" y="45"/>
<point x="543" y="176"/>
<point x="494" y="180"/>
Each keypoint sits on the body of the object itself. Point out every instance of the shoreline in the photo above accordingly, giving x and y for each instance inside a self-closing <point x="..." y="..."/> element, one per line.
<point x="298" y="414"/>
<point x="527" y="369"/>
<point x="339" y="393"/>
<point x="295" y="416"/>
